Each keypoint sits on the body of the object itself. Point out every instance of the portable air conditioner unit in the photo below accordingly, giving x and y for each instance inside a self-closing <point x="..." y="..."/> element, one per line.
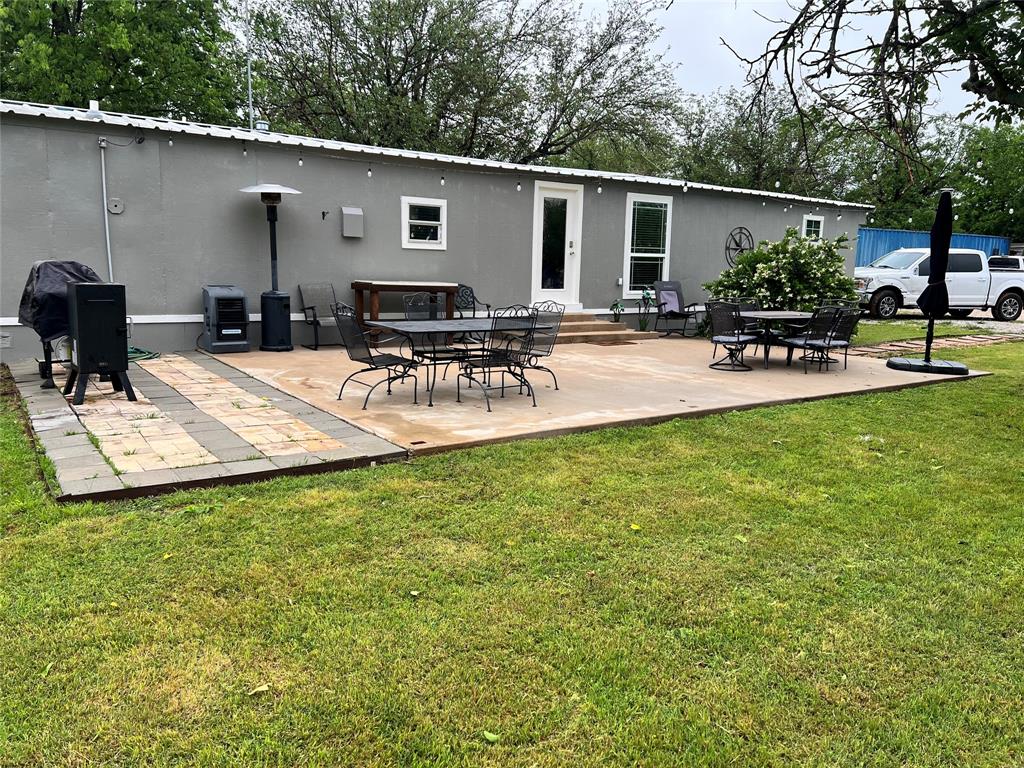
<point x="225" y="319"/>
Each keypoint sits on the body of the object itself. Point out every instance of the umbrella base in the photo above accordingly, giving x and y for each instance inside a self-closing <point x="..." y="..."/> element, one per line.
<point x="916" y="365"/>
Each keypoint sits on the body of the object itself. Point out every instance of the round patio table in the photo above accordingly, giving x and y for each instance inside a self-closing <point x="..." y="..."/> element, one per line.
<point x="769" y="316"/>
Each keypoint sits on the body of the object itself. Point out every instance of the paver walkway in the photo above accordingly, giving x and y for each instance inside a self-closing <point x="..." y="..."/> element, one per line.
<point x="197" y="421"/>
<point x="916" y="346"/>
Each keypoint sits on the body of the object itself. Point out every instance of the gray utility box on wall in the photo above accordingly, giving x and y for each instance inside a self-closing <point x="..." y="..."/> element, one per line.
<point x="225" y="319"/>
<point x="351" y="222"/>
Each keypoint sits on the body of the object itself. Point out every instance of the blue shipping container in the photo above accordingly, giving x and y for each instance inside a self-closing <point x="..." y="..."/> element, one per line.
<point x="872" y="242"/>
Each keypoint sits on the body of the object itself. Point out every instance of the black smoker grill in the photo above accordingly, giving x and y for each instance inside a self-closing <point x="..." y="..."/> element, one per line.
<point x="225" y="319"/>
<point x="44" y="305"/>
<point x="98" y="324"/>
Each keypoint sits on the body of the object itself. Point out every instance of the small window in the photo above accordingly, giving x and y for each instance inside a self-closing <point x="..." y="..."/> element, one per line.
<point x="424" y="223"/>
<point x="925" y="267"/>
<point x="965" y="262"/>
<point x="648" y="240"/>
<point x="813" y="226"/>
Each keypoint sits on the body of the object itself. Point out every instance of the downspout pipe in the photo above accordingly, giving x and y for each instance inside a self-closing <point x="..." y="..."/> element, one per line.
<point x="106" y="214"/>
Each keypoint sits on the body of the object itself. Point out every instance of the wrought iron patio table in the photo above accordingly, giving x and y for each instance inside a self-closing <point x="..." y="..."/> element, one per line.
<point x="769" y="316"/>
<point x="423" y="335"/>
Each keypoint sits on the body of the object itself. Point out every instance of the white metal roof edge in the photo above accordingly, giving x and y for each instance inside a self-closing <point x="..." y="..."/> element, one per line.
<point x="309" y="142"/>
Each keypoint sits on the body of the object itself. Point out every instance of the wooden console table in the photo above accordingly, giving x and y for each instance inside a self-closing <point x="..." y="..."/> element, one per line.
<point x="376" y="287"/>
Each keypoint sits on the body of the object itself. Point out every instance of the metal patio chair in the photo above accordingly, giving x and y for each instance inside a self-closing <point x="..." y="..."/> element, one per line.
<point x="466" y="302"/>
<point x="839" y="338"/>
<point x="549" y="314"/>
<point x="507" y="352"/>
<point x="813" y="339"/>
<point x="398" y="368"/>
<point x="668" y="294"/>
<point x="316" y="300"/>
<point x="727" y="330"/>
<point x="431" y="348"/>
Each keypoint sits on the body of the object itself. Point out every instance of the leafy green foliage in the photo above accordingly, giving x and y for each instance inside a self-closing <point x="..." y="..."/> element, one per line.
<point x="502" y="79"/>
<point x="796" y="273"/>
<point x="150" y="57"/>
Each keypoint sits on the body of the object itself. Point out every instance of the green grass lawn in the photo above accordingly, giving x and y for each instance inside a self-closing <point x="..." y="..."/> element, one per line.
<point x="881" y="331"/>
<point x="837" y="583"/>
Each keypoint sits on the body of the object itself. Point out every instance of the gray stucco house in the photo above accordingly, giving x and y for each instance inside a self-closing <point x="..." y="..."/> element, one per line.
<point x="177" y="221"/>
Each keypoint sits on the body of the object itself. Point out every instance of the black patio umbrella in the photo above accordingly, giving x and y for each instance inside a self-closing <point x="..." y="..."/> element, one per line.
<point x="934" y="299"/>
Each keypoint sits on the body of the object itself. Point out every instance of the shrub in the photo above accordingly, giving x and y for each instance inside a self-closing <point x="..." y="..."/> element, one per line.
<point x="795" y="273"/>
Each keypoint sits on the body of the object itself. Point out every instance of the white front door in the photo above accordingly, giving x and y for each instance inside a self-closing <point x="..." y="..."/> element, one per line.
<point x="557" y="229"/>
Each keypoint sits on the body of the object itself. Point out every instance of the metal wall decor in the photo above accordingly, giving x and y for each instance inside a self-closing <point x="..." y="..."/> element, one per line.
<point x="738" y="241"/>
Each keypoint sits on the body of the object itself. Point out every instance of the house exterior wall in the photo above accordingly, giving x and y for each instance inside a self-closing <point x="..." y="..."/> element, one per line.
<point x="185" y="225"/>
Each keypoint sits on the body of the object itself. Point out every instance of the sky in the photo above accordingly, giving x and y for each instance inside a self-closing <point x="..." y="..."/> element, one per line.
<point x="691" y="40"/>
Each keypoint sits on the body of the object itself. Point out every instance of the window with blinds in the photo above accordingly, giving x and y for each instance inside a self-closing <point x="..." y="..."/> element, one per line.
<point x="648" y="226"/>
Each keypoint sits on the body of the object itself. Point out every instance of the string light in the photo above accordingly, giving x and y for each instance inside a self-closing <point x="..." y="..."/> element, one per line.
<point x="839" y="217"/>
<point x="170" y="143"/>
<point x="957" y="217"/>
<point x="871" y="220"/>
<point x="874" y="177"/>
<point x="519" y="186"/>
<point x="300" y="161"/>
<point x="442" y="181"/>
<point x="910" y="219"/>
<point x="600" y="189"/>
<point x="778" y="184"/>
<point x="686" y="187"/>
<point x="245" y="150"/>
<point x="979" y="164"/>
<point x="369" y="173"/>
<point x="763" y="203"/>
<point x="1011" y="211"/>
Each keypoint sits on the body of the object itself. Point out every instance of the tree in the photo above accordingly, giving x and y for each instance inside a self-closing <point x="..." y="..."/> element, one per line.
<point x="483" y="78"/>
<point x="989" y="196"/>
<point x="148" y="57"/>
<point x="878" y="82"/>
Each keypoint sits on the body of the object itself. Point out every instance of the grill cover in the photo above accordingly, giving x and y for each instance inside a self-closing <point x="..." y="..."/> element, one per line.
<point x="44" y="302"/>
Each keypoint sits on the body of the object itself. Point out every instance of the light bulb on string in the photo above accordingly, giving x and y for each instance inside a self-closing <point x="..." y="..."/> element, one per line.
<point x="1011" y="211"/>
<point x="979" y="165"/>
<point x="839" y="217"/>
<point x="956" y="217"/>
<point x="519" y="186"/>
<point x="369" y="173"/>
<point x="778" y="184"/>
<point x="300" y="161"/>
<point x="245" y="151"/>
<point x="442" y="181"/>
<point x="600" y="189"/>
<point x="874" y="177"/>
<point x="170" y="142"/>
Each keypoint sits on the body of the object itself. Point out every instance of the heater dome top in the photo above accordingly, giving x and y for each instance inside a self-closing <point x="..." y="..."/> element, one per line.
<point x="278" y="189"/>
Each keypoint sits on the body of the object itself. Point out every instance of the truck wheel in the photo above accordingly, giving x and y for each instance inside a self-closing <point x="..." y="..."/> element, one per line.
<point x="884" y="304"/>
<point x="960" y="314"/>
<point x="1008" y="307"/>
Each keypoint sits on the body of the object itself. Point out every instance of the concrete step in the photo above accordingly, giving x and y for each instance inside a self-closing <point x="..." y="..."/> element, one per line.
<point x="603" y="336"/>
<point x="582" y="326"/>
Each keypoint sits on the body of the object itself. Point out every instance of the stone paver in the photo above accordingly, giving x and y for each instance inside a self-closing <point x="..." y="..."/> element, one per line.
<point x="943" y="342"/>
<point x="199" y="427"/>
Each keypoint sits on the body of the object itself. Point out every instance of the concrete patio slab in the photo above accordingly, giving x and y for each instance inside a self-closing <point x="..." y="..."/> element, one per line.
<point x="640" y="383"/>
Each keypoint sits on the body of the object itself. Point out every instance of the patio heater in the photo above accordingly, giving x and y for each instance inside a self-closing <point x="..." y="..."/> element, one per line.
<point x="275" y="305"/>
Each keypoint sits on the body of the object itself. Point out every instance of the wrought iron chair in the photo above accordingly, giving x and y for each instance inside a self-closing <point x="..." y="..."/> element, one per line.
<point x="549" y="320"/>
<point x="812" y="340"/>
<point x="507" y="352"/>
<point x="432" y="348"/>
<point x="668" y="294"/>
<point x="466" y="302"/>
<point x="354" y="338"/>
<point x="839" y="338"/>
<point x="727" y="330"/>
<point x="317" y="300"/>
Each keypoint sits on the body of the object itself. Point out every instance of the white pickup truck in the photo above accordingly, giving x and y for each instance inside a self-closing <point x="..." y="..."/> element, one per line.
<point x="896" y="279"/>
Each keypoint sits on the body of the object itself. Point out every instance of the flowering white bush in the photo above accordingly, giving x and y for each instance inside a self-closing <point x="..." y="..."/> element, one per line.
<point x="795" y="273"/>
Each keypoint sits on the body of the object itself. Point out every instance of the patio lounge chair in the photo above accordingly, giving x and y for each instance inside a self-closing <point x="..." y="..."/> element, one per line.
<point x="507" y="352"/>
<point x="549" y="313"/>
<point x="727" y="330"/>
<point x="316" y="300"/>
<point x="815" y="338"/>
<point x="398" y="368"/>
<point x="669" y="297"/>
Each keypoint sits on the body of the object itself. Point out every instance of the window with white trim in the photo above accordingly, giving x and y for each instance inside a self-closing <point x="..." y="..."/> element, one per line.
<point x="648" y="241"/>
<point x="814" y="226"/>
<point x="424" y="223"/>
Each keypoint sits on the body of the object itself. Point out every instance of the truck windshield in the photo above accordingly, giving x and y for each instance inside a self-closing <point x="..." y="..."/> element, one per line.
<point x="897" y="259"/>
